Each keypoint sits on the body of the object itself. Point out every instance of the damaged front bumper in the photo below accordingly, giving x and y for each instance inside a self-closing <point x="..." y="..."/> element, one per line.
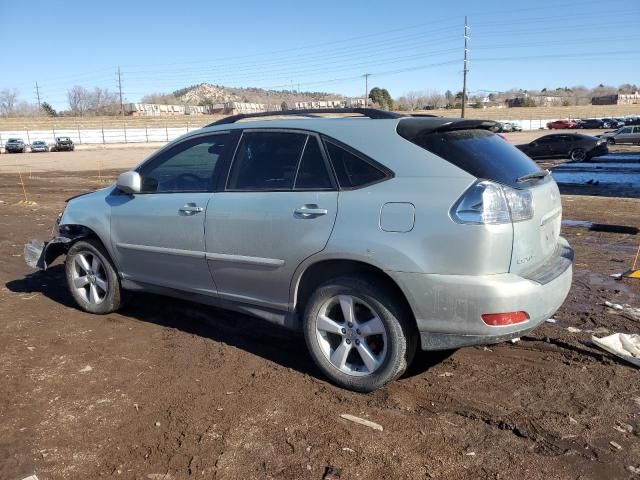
<point x="40" y="254"/>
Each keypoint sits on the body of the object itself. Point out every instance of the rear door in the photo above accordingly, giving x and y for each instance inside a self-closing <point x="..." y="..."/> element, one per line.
<point x="278" y="207"/>
<point x="625" y="135"/>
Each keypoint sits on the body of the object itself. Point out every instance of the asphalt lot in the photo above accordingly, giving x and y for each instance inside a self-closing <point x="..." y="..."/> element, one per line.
<point x="167" y="389"/>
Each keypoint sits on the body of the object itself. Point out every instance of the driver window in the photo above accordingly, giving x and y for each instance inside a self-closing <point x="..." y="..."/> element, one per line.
<point x="187" y="167"/>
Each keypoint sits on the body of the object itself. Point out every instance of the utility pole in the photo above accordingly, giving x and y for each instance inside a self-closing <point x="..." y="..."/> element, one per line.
<point x="38" y="95"/>
<point x="466" y="67"/>
<point x="120" y="90"/>
<point x="366" y="89"/>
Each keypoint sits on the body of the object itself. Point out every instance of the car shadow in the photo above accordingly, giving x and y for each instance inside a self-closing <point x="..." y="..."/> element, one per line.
<point x="256" y="336"/>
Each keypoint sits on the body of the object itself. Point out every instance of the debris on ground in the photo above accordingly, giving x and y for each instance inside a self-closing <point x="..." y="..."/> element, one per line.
<point x="446" y="374"/>
<point x="573" y="330"/>
<point x="332" y="473"/>
<point x="615" y="445"/>
<point x="515" y="340"/>
<point x="551" y="320"/>
<point x="623" y="345"/>
<point x="33" y="477"/>
<point x="361" y="421"/>
<point x="86" y="369"/>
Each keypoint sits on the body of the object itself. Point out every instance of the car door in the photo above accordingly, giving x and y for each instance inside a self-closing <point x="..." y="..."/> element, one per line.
<point x="625" y="135"/>
<point x="559" y="145"/>
<point x="278" y="207"/>
<point x="158" y="234"/>
<point x="540" y="148"/>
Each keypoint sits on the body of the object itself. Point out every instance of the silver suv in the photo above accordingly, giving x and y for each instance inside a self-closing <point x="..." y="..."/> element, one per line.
<point x="371" y="235"/>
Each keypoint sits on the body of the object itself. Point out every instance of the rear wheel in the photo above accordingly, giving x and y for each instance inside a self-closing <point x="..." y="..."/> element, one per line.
<point x="358" y="334"/>
<point x="578" y="155"/>
<point x="92" y="278"/>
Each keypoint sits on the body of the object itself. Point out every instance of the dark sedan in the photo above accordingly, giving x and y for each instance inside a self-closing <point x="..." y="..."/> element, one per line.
<point x="590" y="123"/>
<point x="576" y="146"/>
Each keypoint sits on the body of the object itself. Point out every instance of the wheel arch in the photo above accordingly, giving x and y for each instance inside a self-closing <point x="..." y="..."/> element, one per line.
<point x="69" y="234"/>
<point x="318" y="272"/>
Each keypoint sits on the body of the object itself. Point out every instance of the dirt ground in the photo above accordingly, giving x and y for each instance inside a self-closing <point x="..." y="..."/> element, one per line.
<point x="167" y="389"/>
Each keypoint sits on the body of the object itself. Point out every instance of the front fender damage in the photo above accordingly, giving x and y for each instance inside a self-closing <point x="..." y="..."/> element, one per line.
<point x="39" y="254"/>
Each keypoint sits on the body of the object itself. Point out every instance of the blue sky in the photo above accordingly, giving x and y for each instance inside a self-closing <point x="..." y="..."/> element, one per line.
<point x="321" y="46"/>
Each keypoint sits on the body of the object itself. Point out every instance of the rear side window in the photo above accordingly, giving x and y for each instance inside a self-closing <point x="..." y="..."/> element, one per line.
<point x="266" y="161"/>
<point x="351" y="170"/>
<point x="312" y="173"/>
<point x="480" y="153"/>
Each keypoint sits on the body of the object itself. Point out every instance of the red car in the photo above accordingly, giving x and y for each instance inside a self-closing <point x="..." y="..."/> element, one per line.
<point x="561" y="124"/>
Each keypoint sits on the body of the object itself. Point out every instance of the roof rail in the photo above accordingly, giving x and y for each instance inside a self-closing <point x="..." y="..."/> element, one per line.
<point x="372" y="113"/>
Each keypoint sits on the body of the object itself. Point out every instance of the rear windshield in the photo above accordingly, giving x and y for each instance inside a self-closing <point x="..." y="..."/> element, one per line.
<point x="480" y="153"/>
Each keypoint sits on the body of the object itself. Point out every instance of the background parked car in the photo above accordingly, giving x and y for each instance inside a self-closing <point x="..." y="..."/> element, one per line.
<point x="15" y="145"/>
<point x="612" y="123"/>
<point x="576" y="146"/>
<point x="622" y="135"/>
<point x="39" y="146"/>
<point x="557" y="124"/>
<point x="63" y="144"/>
<point x="590" y="123"/>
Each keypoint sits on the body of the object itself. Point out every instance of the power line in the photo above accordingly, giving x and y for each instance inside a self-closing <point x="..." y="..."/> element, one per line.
<point x="466" y="67"/>
<point x="120" y="90"/>
<point x="38" y="95"/>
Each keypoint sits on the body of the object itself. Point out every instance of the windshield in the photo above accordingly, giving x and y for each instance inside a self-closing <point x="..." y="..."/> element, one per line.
<point x="480" y="153"/>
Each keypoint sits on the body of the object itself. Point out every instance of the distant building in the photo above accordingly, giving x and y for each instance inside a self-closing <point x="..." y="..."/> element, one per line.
<point x="233" y="108"/>
<point x="344" y="103"/>
<point x="156" y="109"/>
<point x="617" y="99"/>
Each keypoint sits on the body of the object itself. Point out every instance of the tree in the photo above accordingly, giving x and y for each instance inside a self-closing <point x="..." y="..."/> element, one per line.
<point x="48" y="110"/>
<point x="8" y="99"/>
<point x="448" y="95"/>
<point x="381" y="97"/>
<point x="78" y="99"/>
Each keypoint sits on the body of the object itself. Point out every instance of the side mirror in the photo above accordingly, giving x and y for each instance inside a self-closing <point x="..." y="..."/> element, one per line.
<point x="129" y="182"/>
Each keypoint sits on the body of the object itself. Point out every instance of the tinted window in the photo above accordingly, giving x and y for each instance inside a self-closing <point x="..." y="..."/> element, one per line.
<point x="312" y="173"/>
<point x="351" y="170"/>
<point x="266" y="161"/>
<point x="480" y="153"/>
<point x="187" y="167"/>
<point x="549" y="139"/>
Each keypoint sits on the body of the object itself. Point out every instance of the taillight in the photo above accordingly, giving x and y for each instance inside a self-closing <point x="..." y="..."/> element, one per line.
<point x="489" y="203"/>
<point x="501" y="319"/>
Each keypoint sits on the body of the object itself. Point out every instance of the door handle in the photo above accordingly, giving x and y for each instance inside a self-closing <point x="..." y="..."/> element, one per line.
<point x="190" y="209"/>
<point x="310" y="211"/>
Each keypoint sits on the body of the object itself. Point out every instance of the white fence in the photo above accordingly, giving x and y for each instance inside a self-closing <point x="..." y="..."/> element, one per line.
<point x="99" y="135"/>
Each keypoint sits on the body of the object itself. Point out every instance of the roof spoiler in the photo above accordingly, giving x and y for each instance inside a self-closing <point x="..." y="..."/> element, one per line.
<point x="372" y="113"/>
<point x="412" y="127"/>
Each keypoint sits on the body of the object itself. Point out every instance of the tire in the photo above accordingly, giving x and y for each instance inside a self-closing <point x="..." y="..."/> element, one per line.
<point x="611" y="141"/>
<point x="389" y="347"/>
<point x="578" y="155"/>
<point x="100" y="292"/>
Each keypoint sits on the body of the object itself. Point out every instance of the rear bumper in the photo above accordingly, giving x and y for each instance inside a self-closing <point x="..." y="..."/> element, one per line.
<point x="448" y="308"/>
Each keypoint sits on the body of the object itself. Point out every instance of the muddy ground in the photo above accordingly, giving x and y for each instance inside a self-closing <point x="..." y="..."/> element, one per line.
<point x="168" y="389"/>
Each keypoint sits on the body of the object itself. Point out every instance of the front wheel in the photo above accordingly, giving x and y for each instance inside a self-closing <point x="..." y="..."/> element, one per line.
<point x="611" y="141"/>
<point x="91" y="277"/>
<point x="578" y="155"/>
<point x="358" y="334"/>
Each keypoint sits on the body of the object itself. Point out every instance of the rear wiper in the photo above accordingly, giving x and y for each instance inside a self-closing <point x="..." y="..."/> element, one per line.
<point x="533" y="176"/>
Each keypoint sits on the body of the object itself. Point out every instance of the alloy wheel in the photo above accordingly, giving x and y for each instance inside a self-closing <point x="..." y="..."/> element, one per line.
<point x="351" y="335"/>
<point x="89" y="277"/>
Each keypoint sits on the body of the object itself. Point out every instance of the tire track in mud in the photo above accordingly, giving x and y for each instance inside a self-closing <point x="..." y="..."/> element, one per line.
<point x="518" y="423"/>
